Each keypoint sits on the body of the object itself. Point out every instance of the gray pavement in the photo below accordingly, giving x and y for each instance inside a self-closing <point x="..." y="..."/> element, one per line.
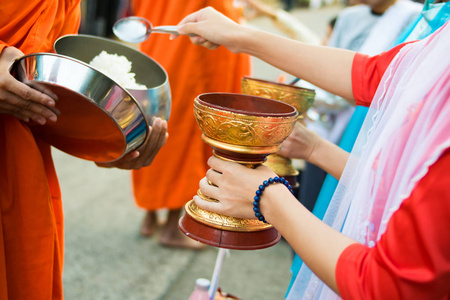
<point x="106" y="258"/>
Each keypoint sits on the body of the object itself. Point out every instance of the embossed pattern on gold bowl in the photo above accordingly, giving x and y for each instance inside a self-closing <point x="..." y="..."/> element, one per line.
<point x="223" y="221"/>
<point x="268" y="127"/>
<point x="300" y="98"/>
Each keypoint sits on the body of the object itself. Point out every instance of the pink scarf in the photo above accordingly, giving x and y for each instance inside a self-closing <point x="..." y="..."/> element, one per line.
<point x="406" y="131"/>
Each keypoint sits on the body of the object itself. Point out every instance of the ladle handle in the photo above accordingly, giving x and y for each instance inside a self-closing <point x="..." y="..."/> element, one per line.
<point x="168" y="29"/>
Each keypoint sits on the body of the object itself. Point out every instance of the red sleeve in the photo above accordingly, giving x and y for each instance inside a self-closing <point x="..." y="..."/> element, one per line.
<point x="367" y="72"/>
<point x="412" y="258"/>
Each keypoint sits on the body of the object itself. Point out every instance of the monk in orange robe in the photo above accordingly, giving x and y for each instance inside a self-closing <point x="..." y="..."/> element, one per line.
<point x="31" y="214"/>
<point x="173" y="178"/>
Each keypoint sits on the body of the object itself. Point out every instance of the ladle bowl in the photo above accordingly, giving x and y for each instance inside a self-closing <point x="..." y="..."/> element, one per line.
<point x="136" y="29"/>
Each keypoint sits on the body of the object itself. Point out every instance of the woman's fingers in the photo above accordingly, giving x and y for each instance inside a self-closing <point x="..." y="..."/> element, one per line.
<point x="211" y="29"/>
<point x="213" y="176"/>
<point x="208" y="205"/>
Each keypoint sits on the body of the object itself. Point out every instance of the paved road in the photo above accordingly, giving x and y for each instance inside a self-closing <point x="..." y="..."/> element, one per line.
<point x="106" y="258"/>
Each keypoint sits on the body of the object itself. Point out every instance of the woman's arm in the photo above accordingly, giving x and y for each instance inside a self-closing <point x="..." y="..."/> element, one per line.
<point x="315" y="242"/>
<point x="327" y="68"/>
<point x="304" y="143"/>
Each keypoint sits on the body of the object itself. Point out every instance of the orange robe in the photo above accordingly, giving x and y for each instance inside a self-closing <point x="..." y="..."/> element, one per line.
<point x="31" y="215"/>
<point x="173" y="177"/>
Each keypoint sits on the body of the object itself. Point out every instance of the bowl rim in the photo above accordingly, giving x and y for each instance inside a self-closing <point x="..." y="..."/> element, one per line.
<point x="274" y="83"/>
<point x="74" y="60"/>
<point x="75" y="36"/>
<point x="17" y="61"/>
<point x="291" y="114"/>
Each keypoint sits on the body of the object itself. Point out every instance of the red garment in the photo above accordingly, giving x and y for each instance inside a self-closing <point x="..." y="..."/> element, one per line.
<point x="174" y="175"/>
<point x="412" y="258"/>
<point x="31" y="215"/>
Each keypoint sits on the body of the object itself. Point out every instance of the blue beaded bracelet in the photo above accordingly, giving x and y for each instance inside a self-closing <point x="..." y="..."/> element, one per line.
<point x="260" y="191"/>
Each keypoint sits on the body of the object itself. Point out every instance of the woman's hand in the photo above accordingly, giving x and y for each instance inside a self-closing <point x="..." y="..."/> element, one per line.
<point x="211" y="29"/>
<point x="20" y="100"/>
<point x="234" y="185"/>
<point x="300" y="143"/>
<point x="304" y="143"/>
<point x="143" y="156"/>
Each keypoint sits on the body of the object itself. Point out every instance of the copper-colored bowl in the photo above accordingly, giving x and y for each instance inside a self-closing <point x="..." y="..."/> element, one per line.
<point x="243" y="124"/>
<point x="300" y="98"/>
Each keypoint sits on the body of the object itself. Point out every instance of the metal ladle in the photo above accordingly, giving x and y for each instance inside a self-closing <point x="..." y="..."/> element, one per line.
<point x="137" y="29"/>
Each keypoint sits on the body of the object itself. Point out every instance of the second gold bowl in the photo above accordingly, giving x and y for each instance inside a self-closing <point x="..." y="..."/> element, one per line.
<point x="299" y="97"/>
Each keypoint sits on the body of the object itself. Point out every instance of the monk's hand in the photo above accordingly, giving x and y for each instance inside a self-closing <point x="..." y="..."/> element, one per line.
<point x="20" y="100"/>
<point x="211" y="29"/>
<point x="234" y="185"/>
<point x="144" y="155"/>
<point x="300" y="143"/>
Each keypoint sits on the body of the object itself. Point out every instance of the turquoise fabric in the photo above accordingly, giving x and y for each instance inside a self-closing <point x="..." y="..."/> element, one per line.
<point x="432" y="17"/>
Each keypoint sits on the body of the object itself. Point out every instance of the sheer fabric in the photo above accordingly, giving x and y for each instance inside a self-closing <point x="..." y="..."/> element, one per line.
<point x="406" y="130"/>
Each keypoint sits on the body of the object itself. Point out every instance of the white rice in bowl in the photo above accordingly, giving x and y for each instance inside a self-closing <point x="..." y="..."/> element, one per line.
<point x="118" y="68"/>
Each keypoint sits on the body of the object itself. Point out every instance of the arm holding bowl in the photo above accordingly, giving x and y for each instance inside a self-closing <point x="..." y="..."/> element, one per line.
<point x="20" y="100"/>
<point x="303" y="143"/>
<point x="325" y="67"/>
<point x="234" y="184"/>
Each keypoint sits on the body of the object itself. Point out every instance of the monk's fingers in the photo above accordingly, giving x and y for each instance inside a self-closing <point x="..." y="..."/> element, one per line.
<point x="157" y="139"/>
<point x="8" y="56"/>
<point x="45" y="90"/>
<point x="8" y="83"/>
<point x="13" y="105"/>
<point x="16" y="115"/>
<point x="25" y="92"/>
<point x="127" y="162"/>
<point x="161" y="142"/>
<point x="146" y="153"/>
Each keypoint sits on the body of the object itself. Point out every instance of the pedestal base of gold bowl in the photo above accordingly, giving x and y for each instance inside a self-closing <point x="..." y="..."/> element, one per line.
<point x="252" y="240"/>
<point x="283" y="167"/>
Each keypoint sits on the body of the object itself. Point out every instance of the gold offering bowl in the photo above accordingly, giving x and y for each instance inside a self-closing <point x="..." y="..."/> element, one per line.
<point x="244" y="129"/>
<point x="298" y="97"/>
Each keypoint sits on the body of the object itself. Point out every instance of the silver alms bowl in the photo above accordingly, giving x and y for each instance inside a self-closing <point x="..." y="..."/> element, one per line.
<point x="99" y="120"/>
<point x="156" y="100"/>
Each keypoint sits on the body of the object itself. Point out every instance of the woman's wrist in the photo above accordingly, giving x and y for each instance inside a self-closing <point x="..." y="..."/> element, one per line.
<point x="329" y="157"/>
<point x="260" y="191"/>
<point x="274" y="195"/>
<point x="248" y="40"/>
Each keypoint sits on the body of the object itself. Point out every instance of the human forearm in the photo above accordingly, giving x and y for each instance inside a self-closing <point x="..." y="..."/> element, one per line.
<point x="325" y="67"/>
<point x="303" y="143"/>
<point x="328" y="68"/>
<point x="234" y="186"/>
<point x="318" y="245"/>
<point x="329" y="158"/>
